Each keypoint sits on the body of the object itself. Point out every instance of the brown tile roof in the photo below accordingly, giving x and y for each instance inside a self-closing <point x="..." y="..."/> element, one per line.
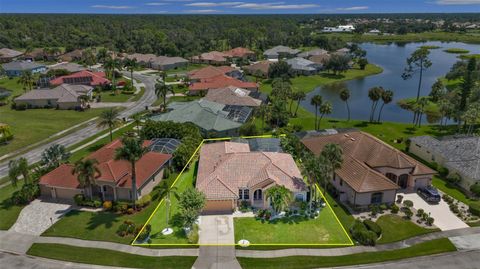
<point x="232" y="96"/>
<point x="320" y="59"/>
<point x="224" y="167"/>
<point x="215" y="56"/>
<point x="221" y="81"/>
<point x="9" y="53"/>
<point x="263" y="66"/>
<point x="63" y="94"/>
<point x="239" y="52"/>
<point x="362" y="152"/>
<point x="61" y="177"/>
<point x="209" y="72"/>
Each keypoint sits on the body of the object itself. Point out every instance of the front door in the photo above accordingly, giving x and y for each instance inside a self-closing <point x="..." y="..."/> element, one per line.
<point x="403" y="181"/>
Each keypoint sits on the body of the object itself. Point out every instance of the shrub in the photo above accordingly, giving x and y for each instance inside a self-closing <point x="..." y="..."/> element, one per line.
<point x="454" y="179"/>
<point x="26" y="194"/>
<point x="383" y="207"/>
<point x="475" y="189"/>
<point x="126" y="228"/>
<point x="107" y="205"/>
<point x="430" y="221"/>
<point x="193" y="236"/>
<point x="145" y="233"/>
<point x="408" y="213"/>
<point x="394" y="209"/>
<point x="443" y="171"/>
<point x="360" y="233"/>
<point x="244" y="206"/>
<point x="78" y="198"/>
<point x="374" y="210"/>
<point x="408" y="203"/>
<point x="474" y="208"/>
<point x="372" y="226"/>
<point x="420" y="212"/>
<point x="21" y="107"/>
<point x="144" y="201"/>
<point x="120" y="207"/>
<point x="399" y="198"/>
<point x="130" y="211"/>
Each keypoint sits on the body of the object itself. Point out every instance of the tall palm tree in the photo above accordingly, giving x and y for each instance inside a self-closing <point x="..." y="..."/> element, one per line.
<point x="333" y="155"/>
<point x="374" y="94"/>
<point x="23" y="169"/>
<point x="137" y="120"/>
<point x="131" y="151"/>
<point x="87" y="172"/>
<point x="299" y="97"/>
<point x="280" y="197"/>
<point x="325" y="109"/>
<point x="27" y="80"/>
<point x="263" y="111"/>
<point x="13" y="172"/>
<point x="130" y="65"/>
<point x="89" y="58"/>
<point x="102" y="55"/>
<point x="311" y="166"/>
<point x="422" y="102"/>
<point x="162" y="90"/>
<point x="109" y="118"/>
<point x="168" y="191"/>
<point x="345" y="95"/>
<point x="387" y="97"/>
<point x="316" y="101"/>
<point x="110" y="64"/>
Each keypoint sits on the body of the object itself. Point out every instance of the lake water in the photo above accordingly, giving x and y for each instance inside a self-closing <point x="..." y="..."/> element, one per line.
<point x="392" y="58"/>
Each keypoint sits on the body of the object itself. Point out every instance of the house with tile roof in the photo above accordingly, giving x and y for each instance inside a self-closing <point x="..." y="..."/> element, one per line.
<point x="16" y="68"/>
<point x="8" y="55"/>
<point x="220" y="81"/>
<point x="74" y="55"/>
<point x="301" y="66"/>
<point x="230" y="173"/>
<point x="158" y="62"/>
<point x="70" y="67"/>
<point x="233" y="96"/>
<point x="260" y="68"/>
<point x="459" y="154"/>
<point x="280" y="52"/>
<point x="213" y="71"/>
<point x="240" y="53"/>
<point x="313" y="52"/>
<point x="84" y="77"/>
<point x="114" y="182"/>
<point x="372" y="171"/>
<point x="65" y="96"/>
<point x="212" y="57"/>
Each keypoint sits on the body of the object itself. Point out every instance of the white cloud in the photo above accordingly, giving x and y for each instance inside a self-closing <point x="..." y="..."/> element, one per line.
<point x="275" y="5"/>
<point x="458" y="2"/>
<point x="156" y="4"/>
<point x="211" y="4"/>
<point x="202" y="11"/>
<point x="111" y="7"/>
<point x="352" y="8"/>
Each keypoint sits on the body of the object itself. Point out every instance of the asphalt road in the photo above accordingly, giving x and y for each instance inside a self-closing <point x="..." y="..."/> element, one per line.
<point x="91" y="129"/>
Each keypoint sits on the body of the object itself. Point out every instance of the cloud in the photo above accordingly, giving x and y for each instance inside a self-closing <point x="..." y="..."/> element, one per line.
<point x="211" y="4"/>
<point x="156" y="4"/>
<point x="458" y="2"/>
<point x="111" y="7"/>
<point x="352" y="8"/>
<point x="275" y="5"/>
<point x="202" y="11"/>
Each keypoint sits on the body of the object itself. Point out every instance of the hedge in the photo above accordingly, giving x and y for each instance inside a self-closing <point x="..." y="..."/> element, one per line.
<point x="474" y="208"/>
<point x="372" y="226"/>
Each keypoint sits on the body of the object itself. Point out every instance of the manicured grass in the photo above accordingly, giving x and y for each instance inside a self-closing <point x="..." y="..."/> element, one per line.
<point x="189" y="67"/>
<point x="309" y="83"/>
<point x="138" y="95"/>
<point x="159" y="219"/>
<point x="294" y="230"/>
<point x="108" y="257"/>
<point x="8" y="212"/>
<point x="304" y="262"/>
<point x="453" y="191"/>
<point x="342" y="213"/>
<point x="110" y="97"/>
<point x="456" y="51"/>
<point x="395" y="228"/>
<point x="469" y="37"/>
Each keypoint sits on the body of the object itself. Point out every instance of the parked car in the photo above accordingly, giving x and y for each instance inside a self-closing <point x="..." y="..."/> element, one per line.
<point x="430" y="194"/>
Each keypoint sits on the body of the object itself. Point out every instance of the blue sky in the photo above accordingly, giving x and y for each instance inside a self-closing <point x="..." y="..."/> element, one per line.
<point x="237" y="6"/>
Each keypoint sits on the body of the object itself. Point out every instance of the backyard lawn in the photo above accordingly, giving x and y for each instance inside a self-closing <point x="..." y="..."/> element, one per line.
<point x="395" y="228"/>
<point x="9" y="213"/>
<point x="304" y="262"/>
<point x="108" y="257"/>
<point x="109" y="97"/>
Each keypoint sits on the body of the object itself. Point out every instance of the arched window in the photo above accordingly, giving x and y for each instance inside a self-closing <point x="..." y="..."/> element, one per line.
<point x="257" y="195"/>
<point x="403" y="181"/>
<point x="392" y="177"/>
<point x="376" y="198"/>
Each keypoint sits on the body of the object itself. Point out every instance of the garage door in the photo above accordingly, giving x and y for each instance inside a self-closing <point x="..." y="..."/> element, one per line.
<point x="218" y="207"/>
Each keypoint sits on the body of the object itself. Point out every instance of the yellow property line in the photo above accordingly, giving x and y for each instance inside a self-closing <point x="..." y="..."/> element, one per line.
<point x="260" y="244"/>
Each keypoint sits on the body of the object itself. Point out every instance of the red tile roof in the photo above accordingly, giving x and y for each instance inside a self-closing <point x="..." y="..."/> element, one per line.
<point x="221" y="81"/>
<point x="214" y="56"/>
<point x="209" y="71"/>
<point x="118" y="171"/>
<point x="239" y="52"/>
<point x="82" y="77"/>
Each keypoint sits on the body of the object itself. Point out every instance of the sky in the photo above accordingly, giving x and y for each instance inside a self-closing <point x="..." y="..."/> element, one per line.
<point x="237" y="6"/>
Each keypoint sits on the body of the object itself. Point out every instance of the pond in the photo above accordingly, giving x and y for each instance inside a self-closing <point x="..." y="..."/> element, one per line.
<point x="392" y="58"/>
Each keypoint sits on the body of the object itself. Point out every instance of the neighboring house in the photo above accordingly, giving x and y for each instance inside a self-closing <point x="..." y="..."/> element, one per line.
<point x="232" y="96"/>
<point x="72" y="56"/>
<point x="70" y="67"/>
<point x="339" y="29"/>
<point x="213" y="119"/>
<point x="114" y="181"/>
<point x="303" y="66"/>
<point x="280" y="52"/>
<point x="8" y="55"/>
<point x="158" y="62"/>
<point x="213" y="71"/>
<point x="213" y="58"/>
<point x="217" y="82"/>
<point x="459" y="154"/>
<point x="259" y="68"/>
<point x="84" y="77"/>
<point x="374" y="32"/>
<point x="314" y="52"/>
<point x="15" y="69"/>
<point x="40" y="54"/>
<point x="372" y="171"/>
<point x="320" y="59"/>
<point x="64" y="96"/>
<point x="230" y="173"/>
<point x="142" y="59"/>
<point x="240" y="53"/>
<point x="343" y="51"/>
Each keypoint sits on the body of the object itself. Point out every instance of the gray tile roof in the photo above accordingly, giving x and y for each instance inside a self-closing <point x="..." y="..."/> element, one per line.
<point x="281" y="49"/>
<point x="64" y="93"/>
<point x="20" y="65"/>
<point x="313" y="52"/>
<point x="70" y="67"/>
<point x="9" y="53"/>
<point x="299" y="63"/>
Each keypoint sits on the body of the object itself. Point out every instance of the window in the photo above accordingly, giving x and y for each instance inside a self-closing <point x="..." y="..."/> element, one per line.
<point x="257" y="195"/>
<point x="376" y="198"/>
<point x="341" y="182"/>
<point x="299" y="197"/>
<point x="240" y="194"/>
<point x="246" y="194"/>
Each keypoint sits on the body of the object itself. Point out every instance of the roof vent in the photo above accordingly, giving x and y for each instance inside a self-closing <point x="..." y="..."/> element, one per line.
<point x="346" y="135"/>
<point x="353" y="139"/>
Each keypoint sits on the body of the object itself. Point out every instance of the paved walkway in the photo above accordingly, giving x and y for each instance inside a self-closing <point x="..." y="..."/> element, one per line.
<point x="444" y="218"/>
<point x="38" y="216"/>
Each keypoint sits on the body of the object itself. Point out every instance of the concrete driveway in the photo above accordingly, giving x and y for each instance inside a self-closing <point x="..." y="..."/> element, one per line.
<point x="444" y="218"/>
<point x="38" y="216"/>
<point x="216" y="230"/>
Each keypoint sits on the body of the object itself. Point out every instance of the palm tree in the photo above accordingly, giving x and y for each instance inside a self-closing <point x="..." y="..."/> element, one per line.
<point x="374" y="94"/>
<point x="110" y="64"/>
<point x="88" y="58"/>
<point x="168" y="191"/>
<point x="263" y="111"/>
<point x="333" y="155"/>
<point x="102" y="55"/>
<point x="325" y="109"/>
<point x="131" y="151"/>
<point x="130" y="65"/>
<point x="23" y="169"/>
<point x="280" y="197"/>
<point x="13" y="172"/>
<point x="299" y="97"/>
<point x="137" y="120"/>
<point x="345" y="95"/>
<point x="387" y="97"/>
<point x="311" y="166"/>
<point x="162" y="90"/>
<point x="109" y="118"/>
<point x="87" y="172"/>
<point x="422" y="102"/>
<point x="27" y="80"/>
<point x="316" y="101"/>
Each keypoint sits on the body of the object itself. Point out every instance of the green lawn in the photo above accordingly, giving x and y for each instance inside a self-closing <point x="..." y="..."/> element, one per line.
<point x="108" y="257"/>
<point x="294" y="230"/>
<point x="395" y="228"/>
<point x="304" y="262"/>
<point x="188" y="68"/>
<point x="342" y="213"/>
<point x="469" y="37"/>
<point x="453" y="191"/>
<point x="158" y="221"/>
<point x="8" y="212"/>
<point x="110" y="97"/>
